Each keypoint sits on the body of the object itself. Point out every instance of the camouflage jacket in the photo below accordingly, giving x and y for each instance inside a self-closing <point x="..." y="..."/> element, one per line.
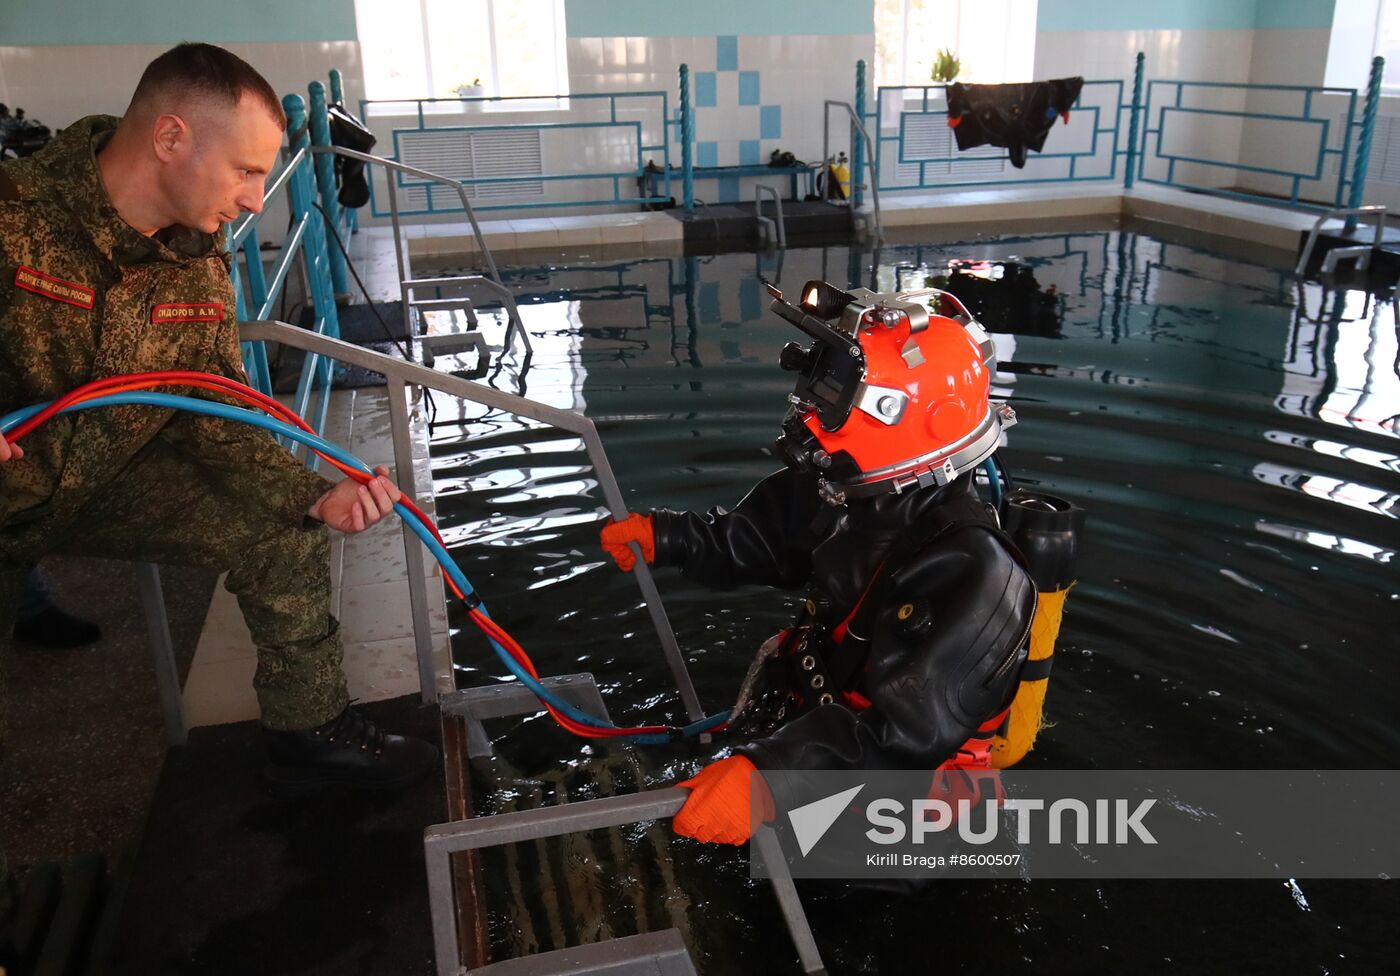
<point x="85" y="296"/>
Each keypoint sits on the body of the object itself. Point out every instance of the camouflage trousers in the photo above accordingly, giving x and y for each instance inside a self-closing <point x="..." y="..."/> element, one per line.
<point x="168" y="510"/>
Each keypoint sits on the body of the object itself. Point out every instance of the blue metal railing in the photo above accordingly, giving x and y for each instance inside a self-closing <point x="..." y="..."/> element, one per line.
<point x="858" y="145"/>
<point x="438" y="199"/>
<point x="1134" y="116"/>
<point x="687" y="138"/>
<point x="915" y="149"/>
<point x="320" y="131"/>
<point x="1363" y="140"/>
<point x="305" y="241"/>
<point x="351" y="217"/>
<point x="913" y="153"/>
<point x="1173" y="111"/>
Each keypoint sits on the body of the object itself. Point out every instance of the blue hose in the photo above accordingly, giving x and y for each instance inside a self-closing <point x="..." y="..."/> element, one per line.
<point x="449" y="565"/>
<point x="993" y="481"/>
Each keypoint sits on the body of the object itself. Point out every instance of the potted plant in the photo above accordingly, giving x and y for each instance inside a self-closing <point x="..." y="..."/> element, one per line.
<point x="469" y="89"/>
<point x="946" y="66"/>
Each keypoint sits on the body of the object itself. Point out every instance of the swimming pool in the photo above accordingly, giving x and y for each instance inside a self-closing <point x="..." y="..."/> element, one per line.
<point x="1234" y="443"/>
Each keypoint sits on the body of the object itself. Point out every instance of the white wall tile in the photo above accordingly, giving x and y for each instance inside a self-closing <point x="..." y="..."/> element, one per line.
<point x="1289" y="57"/>
<point x="585" y="55"/>
<point x="614" y="53"/>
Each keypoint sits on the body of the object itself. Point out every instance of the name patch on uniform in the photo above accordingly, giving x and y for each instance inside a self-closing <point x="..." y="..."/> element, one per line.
<point x="201" y="312"/>
<point x="69" y="292"/>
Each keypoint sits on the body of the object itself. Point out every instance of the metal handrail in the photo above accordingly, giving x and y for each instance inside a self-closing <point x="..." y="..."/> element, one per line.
<point x="441" y="841"/>
<point x="493" y="275"/>
<point x="1376" y="209"/>
<point x="870" y="152"/>
<point x="398" y="375"/>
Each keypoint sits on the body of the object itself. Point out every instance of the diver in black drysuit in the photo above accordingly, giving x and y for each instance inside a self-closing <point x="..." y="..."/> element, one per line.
<point x="943" y="608"/>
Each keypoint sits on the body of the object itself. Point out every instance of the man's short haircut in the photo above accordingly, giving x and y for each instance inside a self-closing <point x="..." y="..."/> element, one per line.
<point x="205" y="72"/>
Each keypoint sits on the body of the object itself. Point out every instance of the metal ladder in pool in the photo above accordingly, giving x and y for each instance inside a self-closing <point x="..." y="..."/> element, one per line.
<point x="449" y="846"/>
<point x="1360" y="254"/>
<point x="416" y="306"/>
<point x="664" y="952"/>
<point x="857" y="128"/>
<point x="772" y="230"/>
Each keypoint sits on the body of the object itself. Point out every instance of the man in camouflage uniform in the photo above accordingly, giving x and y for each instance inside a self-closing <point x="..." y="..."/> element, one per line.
<point x="111" y="263"/>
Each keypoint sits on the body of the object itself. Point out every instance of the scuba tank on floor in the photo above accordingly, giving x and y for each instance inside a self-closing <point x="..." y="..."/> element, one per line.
<point x="834" y="179"/>
<point x="1046" y="529"/>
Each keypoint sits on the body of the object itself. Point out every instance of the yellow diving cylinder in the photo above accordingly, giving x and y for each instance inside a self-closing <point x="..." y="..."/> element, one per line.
<point x="841" y="176"/>
<point x="1046" y="529"/>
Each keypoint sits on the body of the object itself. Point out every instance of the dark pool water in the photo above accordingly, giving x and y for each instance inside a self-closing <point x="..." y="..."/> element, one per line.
<point x="1234" y="442"/>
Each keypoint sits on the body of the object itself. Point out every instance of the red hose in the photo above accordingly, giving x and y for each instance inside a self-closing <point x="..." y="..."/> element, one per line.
<point x="213" y="382"/>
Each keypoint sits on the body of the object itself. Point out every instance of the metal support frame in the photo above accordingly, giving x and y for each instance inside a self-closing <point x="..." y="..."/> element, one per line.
<point x="768" y="230"/>
<point x="163" y="653"/>
<point x="1361" y="252"/>
<point x="441" y="841"/>
<point x="789" y="902"/>
<point x="475" y="705"/>
<point x="857" y="126"/>
<point x="649" y="954"/>
<point x="399" y="374"/>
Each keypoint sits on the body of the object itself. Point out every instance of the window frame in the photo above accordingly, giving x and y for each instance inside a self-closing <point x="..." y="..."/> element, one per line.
<point x="551" y="102"/>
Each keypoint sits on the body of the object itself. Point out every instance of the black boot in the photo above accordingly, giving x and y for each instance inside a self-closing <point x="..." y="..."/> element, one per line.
<point x="54" y="629"/>
<point x="349" y="750"/>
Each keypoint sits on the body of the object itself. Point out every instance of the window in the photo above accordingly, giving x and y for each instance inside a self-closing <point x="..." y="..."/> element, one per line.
<point x="994" y="39"/>
<point x="426" y="48"/>
<point x="1362" y="30"/>
<point x="1386" y="44"/>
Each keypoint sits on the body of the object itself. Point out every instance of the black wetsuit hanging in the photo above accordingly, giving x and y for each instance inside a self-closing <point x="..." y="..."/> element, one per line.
<point x="350" y="132"/>
<point x="1017" y="117"/>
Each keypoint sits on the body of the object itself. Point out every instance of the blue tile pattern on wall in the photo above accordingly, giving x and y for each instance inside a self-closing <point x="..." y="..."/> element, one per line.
<point x="732" y="124"/>
<point x="727" y="53"/>
<point x="748" y="88"/>
<point x="770" y="122"/>
<point x="704" y="89"/>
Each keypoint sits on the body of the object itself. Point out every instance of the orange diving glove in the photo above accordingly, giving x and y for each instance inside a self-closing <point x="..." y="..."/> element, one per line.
<point x="635" y="528"/>
<point x="718" y="809"/>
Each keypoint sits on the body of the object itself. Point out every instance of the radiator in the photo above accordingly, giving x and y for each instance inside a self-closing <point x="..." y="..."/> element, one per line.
<point x="463" y="154"/>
